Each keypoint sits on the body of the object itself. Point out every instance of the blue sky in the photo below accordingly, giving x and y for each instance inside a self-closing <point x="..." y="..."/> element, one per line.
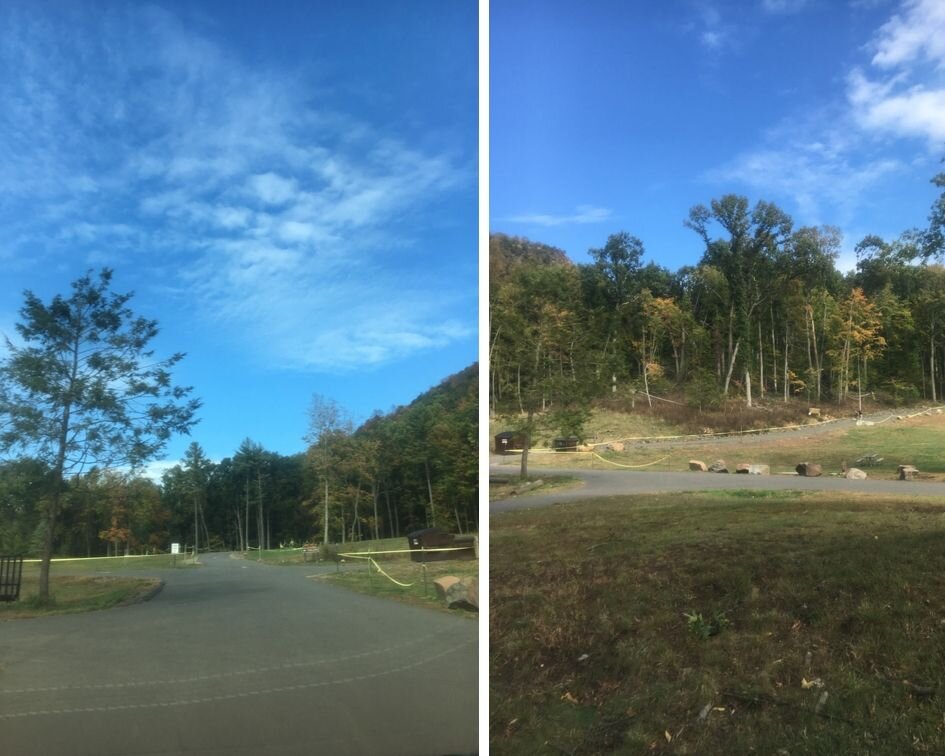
<point x="614" y="116"/>
<point x="290" y="189"/>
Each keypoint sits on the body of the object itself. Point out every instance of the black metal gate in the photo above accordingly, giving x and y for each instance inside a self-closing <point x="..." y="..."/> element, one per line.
<point x="11" y="575"/>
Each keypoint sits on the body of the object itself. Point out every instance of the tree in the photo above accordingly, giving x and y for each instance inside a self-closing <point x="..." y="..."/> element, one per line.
<point x="933" y="242"/>
<point x="84" y="389"/>
<point x="198" y="468"/>
<point x="329" y="428"/>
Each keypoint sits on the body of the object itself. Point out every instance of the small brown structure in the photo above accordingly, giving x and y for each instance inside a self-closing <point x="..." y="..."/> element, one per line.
<point x="509" y="441"/>
<point x="809" y="470"/>
<point x="437" y="538"/>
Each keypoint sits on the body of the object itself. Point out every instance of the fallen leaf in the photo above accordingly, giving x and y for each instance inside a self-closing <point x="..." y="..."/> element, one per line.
<point x="808" y="684"/>
<point x="584" y="657"/>
<point x="569" y="698"/>
<point x="669" y="738"/>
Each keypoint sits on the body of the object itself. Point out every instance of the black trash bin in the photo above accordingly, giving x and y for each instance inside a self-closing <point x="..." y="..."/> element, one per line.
<point x="565" y="444"/>
<point x="437" y="538"/>
<point x="11" y="577"/>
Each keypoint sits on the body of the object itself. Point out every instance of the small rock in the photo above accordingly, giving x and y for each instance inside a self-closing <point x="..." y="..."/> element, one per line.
<point x="697" y="465"/>
<point x="718" y="466"/>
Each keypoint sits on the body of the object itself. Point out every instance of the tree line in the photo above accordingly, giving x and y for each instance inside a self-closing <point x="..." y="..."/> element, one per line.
<point x="84" y="405"/>
<point x="764" y="313"/>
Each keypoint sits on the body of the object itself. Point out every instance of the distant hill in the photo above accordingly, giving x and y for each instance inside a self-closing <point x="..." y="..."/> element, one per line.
<point x="507" y="252"/>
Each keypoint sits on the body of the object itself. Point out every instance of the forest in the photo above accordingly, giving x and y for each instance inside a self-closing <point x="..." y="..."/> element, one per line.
<point x="410" y="468"/>
<point x="764" y="314"/>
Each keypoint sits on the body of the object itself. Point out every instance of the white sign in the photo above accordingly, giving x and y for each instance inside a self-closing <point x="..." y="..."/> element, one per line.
<point x="175" y="548"/>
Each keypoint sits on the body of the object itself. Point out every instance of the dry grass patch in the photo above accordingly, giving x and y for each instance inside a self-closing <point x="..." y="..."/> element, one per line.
<point x="715" y="624"/>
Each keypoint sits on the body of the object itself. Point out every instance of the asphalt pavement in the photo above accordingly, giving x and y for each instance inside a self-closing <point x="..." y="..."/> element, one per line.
<point x="237" y="657"/>
<point x="599" y="483"/>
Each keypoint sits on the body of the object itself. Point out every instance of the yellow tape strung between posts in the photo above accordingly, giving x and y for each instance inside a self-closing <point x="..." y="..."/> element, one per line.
<point x="610" y="462"/>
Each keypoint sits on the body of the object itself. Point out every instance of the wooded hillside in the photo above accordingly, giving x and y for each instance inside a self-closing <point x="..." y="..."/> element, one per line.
<point x="763" y="312"/>
<point x="413" y="467"/>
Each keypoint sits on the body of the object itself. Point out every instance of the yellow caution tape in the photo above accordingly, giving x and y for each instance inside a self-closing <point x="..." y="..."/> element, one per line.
<point x="648" y="464"/>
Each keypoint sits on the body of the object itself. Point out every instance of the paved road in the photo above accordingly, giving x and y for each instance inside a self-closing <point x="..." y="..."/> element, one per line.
<point x="622" y="482"/>
<point x="241" y="658"/>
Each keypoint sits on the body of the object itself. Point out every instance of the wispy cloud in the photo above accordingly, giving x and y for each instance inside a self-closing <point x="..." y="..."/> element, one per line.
<point x="273" y="213"/>
<point x="829" y="162"/>
<point x="582" y="214"/>
<point x="904" y="93"/>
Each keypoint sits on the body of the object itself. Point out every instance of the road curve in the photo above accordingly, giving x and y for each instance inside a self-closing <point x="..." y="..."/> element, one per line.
<point x="236" y="657"/>
<point x="598" y="483"/>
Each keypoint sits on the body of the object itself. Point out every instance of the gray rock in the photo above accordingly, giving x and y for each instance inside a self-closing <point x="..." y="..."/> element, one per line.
<point x="908" y="472"/>
<point x="718" y="466"/>
<point x="463" y="594"/>
<point x="809" y="470"/>
<point x="854" y="473"/>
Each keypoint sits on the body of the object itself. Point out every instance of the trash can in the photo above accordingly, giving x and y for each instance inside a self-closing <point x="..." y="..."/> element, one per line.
<point x="565" y="444"/>
<point x="437" y="538"/>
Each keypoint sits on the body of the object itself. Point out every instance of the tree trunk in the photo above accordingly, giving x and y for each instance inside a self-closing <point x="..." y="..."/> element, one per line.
<point x="748" y="387"/>
<point x="325" y="540"/>
<point x="932" y="361"/>
<point x="426" y="468"/>
<point x="374" y="494"/>
<point x="731" y="366"/>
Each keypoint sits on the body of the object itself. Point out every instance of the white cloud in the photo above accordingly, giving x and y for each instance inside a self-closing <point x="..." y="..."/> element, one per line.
<point x="583" y="214"/>
<point x="904" y="99"/>
<point x="916" y="34"/>
<point x="283" y="214"/>
<point x="273" y="189"/>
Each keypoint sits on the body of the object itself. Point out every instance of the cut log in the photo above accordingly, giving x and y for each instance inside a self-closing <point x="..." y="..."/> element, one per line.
<point x="697" y="465"/>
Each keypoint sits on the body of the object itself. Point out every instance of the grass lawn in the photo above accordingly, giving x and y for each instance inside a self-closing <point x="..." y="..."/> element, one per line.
<point x="506" y="485"/>
<point x="419" y="588"/>
<point x="918" y="441"/>
<point x="70" y="594"/>
<point x="719" y="623"/>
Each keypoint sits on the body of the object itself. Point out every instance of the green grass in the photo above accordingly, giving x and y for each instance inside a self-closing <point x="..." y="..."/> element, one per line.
<point x="504" y="486"/>
<point x="70" y="594"/>
<point x="116" y="564"/>
<point x="918" y="441"/>
<point x="594" y="645"/>
<point x="419" y="590"/>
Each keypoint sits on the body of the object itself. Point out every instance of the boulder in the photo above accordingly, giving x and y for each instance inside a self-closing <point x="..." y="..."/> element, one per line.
<point x="444" y="584"/>
<point x="746" y="468"/>
<point x="718" y="466"/>
<point x="854" y="473"/>
<point x="697" y="465"/>
<point x="463" y="594"/>
<point x="908" y="472"/>
<point x="809" y="470"/>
